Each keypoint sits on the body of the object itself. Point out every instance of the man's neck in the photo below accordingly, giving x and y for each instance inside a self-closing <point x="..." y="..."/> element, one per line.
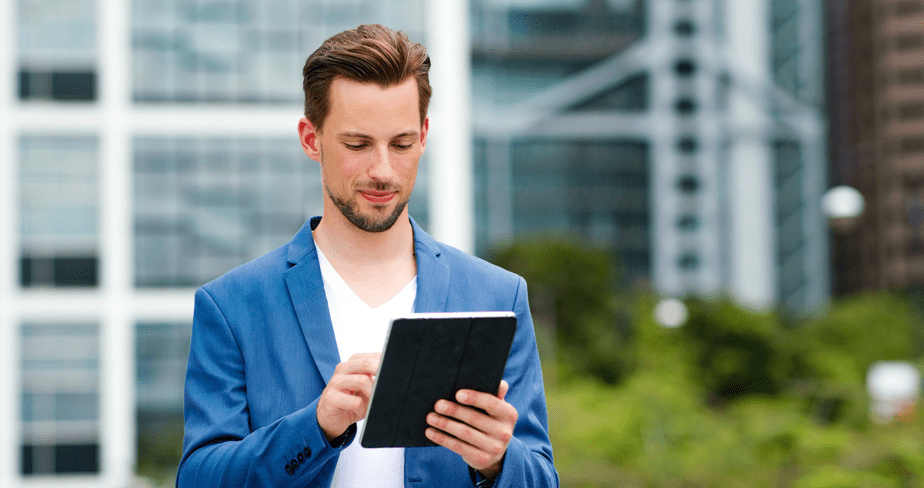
<point x="376" y="265"/>
<point x="342" y="241"/>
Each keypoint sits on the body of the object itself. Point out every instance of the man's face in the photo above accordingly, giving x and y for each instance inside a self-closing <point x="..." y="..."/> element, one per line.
<point x="368" y="147"/>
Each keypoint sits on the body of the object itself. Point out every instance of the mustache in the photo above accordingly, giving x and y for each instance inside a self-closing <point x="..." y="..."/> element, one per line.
<point x="379" y="186"/>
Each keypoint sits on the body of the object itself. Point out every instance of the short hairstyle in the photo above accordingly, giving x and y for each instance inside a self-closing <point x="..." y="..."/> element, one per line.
<point x="366" y="54"/>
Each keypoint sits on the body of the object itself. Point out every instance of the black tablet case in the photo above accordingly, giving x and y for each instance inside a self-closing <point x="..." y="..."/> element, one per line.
<point x="426" y="359"/>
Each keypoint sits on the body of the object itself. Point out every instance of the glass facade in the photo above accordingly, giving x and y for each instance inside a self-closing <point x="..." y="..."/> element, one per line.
<point x="59" y="211"/>
<point x="589" y="189"/>
<point x="240" y="51"/>
<point x="204" y="206"/>
<point x="57" y="50"/>
<point x="791" y="242"/>
<point x="60" y="414"/>
<point x="595" y="189"/>
<point x="161" y="350"/>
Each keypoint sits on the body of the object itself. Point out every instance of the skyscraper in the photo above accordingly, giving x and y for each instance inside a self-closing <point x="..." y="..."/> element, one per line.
<point x="877" y="125"/>
<point x="687" y="137"/>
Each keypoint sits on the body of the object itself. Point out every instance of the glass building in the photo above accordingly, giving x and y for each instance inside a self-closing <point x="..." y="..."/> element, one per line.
<point x="685" y="137"/>
<point x="147" y="146"/>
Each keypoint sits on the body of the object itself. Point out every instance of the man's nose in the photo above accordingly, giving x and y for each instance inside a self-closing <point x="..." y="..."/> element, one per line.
<point x="381" y="165"/>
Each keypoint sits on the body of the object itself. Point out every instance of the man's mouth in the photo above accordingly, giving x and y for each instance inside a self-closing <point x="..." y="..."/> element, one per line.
<point x="378" y="197"/>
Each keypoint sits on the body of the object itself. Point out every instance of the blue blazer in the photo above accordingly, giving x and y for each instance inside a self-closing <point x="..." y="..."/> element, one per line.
<point x="263" y="348"/>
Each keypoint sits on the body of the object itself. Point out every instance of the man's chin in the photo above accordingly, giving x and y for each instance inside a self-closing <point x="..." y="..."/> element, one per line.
<point x="378" y="220"/>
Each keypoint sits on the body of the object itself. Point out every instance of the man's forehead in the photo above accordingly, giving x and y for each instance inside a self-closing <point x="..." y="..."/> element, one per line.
<point x="370" y="110"/>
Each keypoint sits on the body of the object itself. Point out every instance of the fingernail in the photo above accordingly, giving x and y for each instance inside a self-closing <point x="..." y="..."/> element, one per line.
<point x="462" y="396"/>
<point x="441" y="407"/>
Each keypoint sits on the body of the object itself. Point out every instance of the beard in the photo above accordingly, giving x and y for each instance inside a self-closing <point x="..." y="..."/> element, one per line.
<point x="350" y="210"/>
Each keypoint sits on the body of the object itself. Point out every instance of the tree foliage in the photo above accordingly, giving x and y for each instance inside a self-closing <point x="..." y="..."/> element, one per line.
<point x="732" y="398"/>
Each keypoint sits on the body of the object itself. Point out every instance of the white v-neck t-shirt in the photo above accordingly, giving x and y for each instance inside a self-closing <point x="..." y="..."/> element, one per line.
<point x="361" y="328"/>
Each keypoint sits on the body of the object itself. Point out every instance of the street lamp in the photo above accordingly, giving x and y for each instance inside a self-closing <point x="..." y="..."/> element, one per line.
<point x="671" y="313"/>
<point x="842" y="206"/>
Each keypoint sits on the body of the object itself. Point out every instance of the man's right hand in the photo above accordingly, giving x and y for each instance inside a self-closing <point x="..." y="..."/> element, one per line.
<point x="346" y="396"/>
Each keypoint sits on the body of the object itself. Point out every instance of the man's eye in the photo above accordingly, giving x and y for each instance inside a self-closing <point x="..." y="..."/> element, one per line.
<point x="403" y="146"/>
<point x="356" y="147"/>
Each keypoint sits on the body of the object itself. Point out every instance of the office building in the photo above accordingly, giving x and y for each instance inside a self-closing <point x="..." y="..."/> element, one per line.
<point x="877" y="133"/>
<point x="147" y="146"/>
<point x="687" y="137"/>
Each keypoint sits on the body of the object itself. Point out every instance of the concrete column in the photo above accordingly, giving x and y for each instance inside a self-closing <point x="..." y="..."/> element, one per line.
<point x="9" y="262"/>
<point x="451" y="202"/>
<point x="751" y="193"/>
<point x="117" y="354"/>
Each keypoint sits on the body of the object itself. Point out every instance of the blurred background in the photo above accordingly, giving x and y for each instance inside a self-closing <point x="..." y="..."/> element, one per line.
<point x="718" y="205"/>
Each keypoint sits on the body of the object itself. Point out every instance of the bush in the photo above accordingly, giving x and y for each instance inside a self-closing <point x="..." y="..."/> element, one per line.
<point x="739" y="352"/>
<point x="570" y="289"/>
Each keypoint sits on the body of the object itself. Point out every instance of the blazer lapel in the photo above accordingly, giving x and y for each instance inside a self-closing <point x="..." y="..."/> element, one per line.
<point x="432" y="273"/>
<point x="306" y="290"/>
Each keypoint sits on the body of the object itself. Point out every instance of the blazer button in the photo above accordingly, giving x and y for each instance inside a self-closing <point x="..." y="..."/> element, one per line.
<point x="294" y="463"/>
<point x="290" y="469"/>
<point x="301" y="458"/>
<point x="307" y="452"/>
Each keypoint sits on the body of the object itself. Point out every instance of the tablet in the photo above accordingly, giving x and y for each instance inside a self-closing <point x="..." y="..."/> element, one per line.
<point x="428" y="357"/>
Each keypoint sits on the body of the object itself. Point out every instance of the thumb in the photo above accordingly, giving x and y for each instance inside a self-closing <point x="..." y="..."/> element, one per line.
<point x="502" y="391"/>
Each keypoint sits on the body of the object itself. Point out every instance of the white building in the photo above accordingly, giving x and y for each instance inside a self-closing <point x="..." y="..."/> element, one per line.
<point x="147" y="146"/>
<point x="686" y="136"/>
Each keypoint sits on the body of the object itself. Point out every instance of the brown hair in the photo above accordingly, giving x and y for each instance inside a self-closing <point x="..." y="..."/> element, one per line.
<point x="367" y="54"/>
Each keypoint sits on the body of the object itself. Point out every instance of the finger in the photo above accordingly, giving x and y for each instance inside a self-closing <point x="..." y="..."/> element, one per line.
<point x="366" y="363"/>
<point x="492" y="428"/>
<point x="462" y="431"/>
<point x="502" y="390"/>
<point x="472" y="455"/>
<point x="356" y="384"/>
<point x="490" y="404"/>
<point x="375" y="356"/>
<point x="342" y="400"/>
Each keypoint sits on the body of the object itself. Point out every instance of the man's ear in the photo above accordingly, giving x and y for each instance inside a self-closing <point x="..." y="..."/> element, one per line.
<point x="424" y="128"/>
<point x="308" y="135"/>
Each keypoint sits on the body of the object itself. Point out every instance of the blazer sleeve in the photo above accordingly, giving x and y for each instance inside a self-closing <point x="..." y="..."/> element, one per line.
<point x="219" y="448"/>
<point x="528" y="461"/>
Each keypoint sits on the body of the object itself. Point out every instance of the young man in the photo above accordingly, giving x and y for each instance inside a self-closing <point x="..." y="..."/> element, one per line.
<point x="284" y="348"/>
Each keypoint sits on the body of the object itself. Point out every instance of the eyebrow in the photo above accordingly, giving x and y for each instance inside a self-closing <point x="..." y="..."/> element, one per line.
<point x="360" y="135"/>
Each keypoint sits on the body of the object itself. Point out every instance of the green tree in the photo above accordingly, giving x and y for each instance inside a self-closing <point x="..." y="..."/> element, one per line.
<point x="570" y="288"/>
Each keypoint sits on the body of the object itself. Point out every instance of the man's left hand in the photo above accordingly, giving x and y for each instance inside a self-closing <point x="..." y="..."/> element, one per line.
<point x="481" y="438"/>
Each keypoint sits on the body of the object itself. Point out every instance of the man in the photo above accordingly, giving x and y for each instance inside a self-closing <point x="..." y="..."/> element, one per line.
<point x="284" y="349"/>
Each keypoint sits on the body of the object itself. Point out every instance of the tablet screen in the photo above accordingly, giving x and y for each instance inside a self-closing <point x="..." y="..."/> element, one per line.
<point x="428" y="357"/>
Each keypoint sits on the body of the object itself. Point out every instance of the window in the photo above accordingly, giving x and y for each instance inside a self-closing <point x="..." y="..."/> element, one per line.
<point x="684" y="28"/>
<point x="685" y="67"/>
<point x="59" y="211"/>
<point x="57" y="50"/>
<point x="161" y="351"/>
<point x="631" y="96"/>
<point x="60" y="399"/>
<point x="687" y="145"/>
<point x="685" y="106"/>
<point x="688" y="262"/>
<point x="688" y="223"/>
<point x="912" y="110"/>
<point x="909" y="41"/>
<point x="205" y="206"/>
<point x="911" y="145"/>
<point x="241" y="51"/>
<point x="596" y="189"/>
<point x="688" y="183"/>
<point x="914" y="76"/>
<point x="908" y="7"/>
